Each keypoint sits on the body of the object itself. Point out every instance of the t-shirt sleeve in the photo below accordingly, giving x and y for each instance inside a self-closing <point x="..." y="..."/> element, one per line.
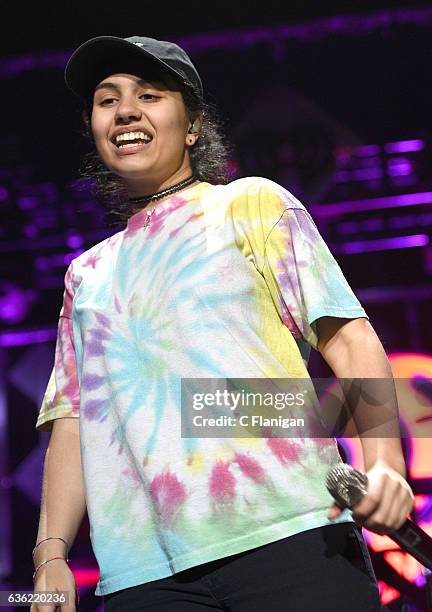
<point x="61" y="398"/>
<point x="303" y="277"/>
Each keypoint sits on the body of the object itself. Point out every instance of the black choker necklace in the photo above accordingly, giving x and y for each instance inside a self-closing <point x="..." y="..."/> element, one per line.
<point x="161" y="194"/>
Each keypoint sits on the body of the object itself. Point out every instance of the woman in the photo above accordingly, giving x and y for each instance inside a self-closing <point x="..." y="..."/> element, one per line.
<point x="209" y="279"/>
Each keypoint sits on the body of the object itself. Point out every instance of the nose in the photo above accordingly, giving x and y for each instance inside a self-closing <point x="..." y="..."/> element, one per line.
<point x="127" y="111"/>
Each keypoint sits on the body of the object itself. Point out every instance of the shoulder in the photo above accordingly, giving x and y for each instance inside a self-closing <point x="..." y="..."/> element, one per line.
<point x="263" y="192"/>
<point x="258" y="202"/>
<point x="101" y="248"/>
<point x="93" y="259"/>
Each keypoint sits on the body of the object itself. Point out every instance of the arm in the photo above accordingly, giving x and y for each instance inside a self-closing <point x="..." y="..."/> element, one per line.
<point x="352" y="349"/>
<point x="63" y="502"/>
<point x="308" y="286"/>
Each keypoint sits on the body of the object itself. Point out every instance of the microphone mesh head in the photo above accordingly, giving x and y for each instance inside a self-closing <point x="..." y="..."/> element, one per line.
<point x="346" y="485"/>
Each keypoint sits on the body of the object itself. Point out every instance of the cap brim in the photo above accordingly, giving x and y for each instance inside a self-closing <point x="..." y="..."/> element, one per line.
<point x="94" y="57"/>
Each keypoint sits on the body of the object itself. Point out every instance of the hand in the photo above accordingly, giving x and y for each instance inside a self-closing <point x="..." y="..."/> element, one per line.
<point x="388" y="500"/>
<point x="56" y="576"/>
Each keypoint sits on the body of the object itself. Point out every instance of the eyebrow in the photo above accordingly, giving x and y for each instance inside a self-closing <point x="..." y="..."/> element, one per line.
<point x="105" y="86"/>
<point x="113" y="86"/>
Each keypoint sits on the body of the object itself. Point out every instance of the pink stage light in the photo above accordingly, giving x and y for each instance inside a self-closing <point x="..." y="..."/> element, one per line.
<point x="387" y="593"/>
<point x="85" y="576"/>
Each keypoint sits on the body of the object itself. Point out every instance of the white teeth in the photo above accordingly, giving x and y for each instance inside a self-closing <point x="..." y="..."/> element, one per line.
<point x="132" y="136"/>
<point x="127" y="145"/>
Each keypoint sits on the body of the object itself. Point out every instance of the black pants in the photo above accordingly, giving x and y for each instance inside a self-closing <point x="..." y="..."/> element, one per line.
<point x="327" y="568"/>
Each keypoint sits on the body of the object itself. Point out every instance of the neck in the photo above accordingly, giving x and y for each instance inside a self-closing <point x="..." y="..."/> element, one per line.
<point x="151" y="199"/>
<point x="146" y="186"/>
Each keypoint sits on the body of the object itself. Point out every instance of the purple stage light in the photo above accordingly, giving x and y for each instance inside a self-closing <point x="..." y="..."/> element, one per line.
<point x="404" y="146"/>
<point x="342" y="176"/>
<point x="6" y="482"/>
<point x="74" y="241"/>
<point x="367" y="174"/>
<point x="427" y="259"/>
<point x="399" y="166"/>
<point x="369" y="162"/>
<point x="348" y="227"/>
<point x="11" y="66"/>
<point x="70" y="256"/>
<point x="383" y="244"/>
<point x="27" y="202"/>
<point x="367" y="150"/>
<point x="15" y="302"/>
<point x="371" y="225"/>
<point x="425" y="219"/>
<point x="22" y="338"/>
<point x="342" y="208"/>
<point x="404" y="221"/>
<point x="404" y="181"/>
<point x="30" y="231"/>
<point x="4" y="193"/>
<point x="351" y="25"/>
<point x="42" y="263"/>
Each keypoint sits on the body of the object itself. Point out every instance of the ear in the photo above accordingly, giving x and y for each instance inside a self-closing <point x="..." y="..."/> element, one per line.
<point x="194" y="130"/>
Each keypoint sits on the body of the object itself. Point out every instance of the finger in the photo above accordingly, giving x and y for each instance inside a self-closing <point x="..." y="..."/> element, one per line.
<point x="399" y="510"/>
<point x="408" y="506"/>
<point x="72" y="603"/>
<point x="391" y="511"/>
<point x="383" y="518"/>
<point x="70" y="606"/>
<point x="368" y="504"/>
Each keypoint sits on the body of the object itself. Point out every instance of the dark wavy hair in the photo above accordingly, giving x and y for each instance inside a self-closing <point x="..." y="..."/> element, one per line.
<point x="209" y="156"/>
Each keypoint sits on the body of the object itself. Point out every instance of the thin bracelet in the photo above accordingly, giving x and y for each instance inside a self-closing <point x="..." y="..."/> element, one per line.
<point x="47" y="561"/>
<point x="67" y="545"/>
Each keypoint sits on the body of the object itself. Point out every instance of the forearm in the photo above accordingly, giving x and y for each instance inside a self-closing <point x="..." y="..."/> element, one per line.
<point x="63" y="501"/>
<point x="372" y="399"/>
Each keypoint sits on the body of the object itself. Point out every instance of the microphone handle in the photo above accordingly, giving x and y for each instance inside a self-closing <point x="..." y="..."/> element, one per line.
<point x="415" y="541"/>
<point x="347" y="486"/>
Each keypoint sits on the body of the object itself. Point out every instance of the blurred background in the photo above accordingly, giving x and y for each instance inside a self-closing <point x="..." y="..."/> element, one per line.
<point x="332" y="100"/>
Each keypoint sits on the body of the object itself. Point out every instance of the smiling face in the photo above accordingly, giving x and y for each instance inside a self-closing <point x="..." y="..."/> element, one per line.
<point x="140" y="128"/>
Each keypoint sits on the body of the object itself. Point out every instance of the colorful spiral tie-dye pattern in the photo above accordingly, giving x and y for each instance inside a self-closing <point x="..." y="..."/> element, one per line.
<point x="226" y="281"/>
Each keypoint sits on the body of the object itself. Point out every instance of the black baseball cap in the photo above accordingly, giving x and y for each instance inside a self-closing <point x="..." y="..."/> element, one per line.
<point x="95" y="59"/>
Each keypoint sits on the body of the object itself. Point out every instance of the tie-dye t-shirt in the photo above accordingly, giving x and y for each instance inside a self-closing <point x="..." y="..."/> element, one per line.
<point x="225" y="281"/>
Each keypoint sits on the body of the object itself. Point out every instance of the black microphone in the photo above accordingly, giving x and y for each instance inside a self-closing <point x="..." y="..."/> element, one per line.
<point x="347" y="486"/>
